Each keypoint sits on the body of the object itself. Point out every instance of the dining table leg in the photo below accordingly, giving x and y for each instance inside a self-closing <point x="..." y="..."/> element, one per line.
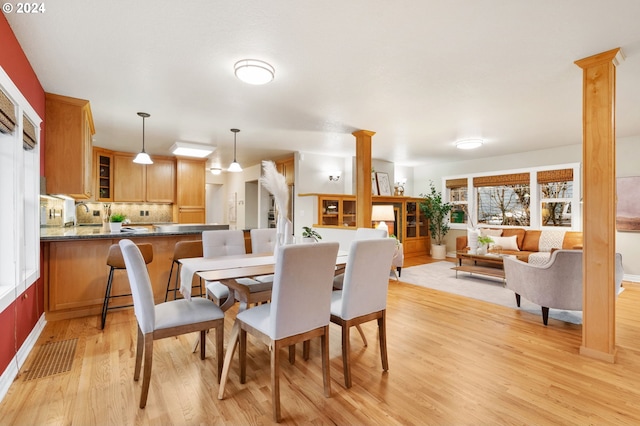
<point x="232" y="344"/>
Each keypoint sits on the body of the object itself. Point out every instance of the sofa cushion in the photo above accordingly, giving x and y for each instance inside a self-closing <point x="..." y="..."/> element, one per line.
<point x="531" y="239"/>
<point x="507" y="243"/>
<point x="572" y="240"/>
<point x="518" y="232"/>
<point x="486" y="232"/>
<point x="550" y="240"/>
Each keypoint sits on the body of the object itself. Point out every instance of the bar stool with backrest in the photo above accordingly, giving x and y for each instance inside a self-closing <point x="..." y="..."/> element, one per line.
<point x="116" y="261"/>
<point x="182" y="250"/>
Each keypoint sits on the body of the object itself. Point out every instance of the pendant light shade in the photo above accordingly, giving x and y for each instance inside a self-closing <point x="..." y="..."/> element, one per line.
<point x="235" y="166"/>
<point x="143" y="157"/>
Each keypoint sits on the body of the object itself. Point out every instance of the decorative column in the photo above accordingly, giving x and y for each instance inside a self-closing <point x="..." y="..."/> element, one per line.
<point x="363" y="177"/>
<point x="599" y="204"/>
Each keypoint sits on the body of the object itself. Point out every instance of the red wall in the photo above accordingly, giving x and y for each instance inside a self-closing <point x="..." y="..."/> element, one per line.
<point x="17" y="321"/>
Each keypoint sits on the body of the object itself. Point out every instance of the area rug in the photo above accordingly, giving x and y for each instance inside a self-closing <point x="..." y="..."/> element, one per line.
<point x="440" y="276"/>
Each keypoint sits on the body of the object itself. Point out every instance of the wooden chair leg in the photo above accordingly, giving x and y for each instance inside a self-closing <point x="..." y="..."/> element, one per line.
<point x="292" y="354"/>
<point x="146" y="375"/>
<point x="139" y="352"/>
<point x="364" y="339"/>
<point x="346" y="359"/>
<point x="275" y="382"/>
<point x="242" y="355"/>
<point x="203" y="344"/>
<point x="220" y="348"/>
<point x="382" y="331"/>
<point x="326" y="374"/>
<point x="306" y="349"/>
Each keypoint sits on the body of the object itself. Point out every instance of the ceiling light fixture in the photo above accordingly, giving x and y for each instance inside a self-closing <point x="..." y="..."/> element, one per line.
<point x="469" y="144"/>
<point x="143" y="157"/>
<point x="253" y="71"/>
<point x="216" y="170"/>
<point x="235" y="166"/>
<point x="191" y="149"/>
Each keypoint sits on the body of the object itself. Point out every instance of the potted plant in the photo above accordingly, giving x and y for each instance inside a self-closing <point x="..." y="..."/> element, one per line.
<point x="437" y="213"/>
<point x="115" y="222"/>
<point x="483" y="243"/>
<point x="309" y="235"/>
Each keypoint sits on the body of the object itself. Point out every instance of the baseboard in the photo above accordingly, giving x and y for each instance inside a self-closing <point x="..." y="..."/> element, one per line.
<point x="12" y="370"/>
<point x="632" y="278"/>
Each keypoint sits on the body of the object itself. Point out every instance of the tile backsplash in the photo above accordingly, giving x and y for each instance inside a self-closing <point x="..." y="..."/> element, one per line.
<point x="147" y="213"/>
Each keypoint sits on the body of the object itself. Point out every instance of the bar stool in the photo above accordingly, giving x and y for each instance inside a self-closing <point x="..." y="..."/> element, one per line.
<point x="116" y="261"/>
<point x="182" y="250"/>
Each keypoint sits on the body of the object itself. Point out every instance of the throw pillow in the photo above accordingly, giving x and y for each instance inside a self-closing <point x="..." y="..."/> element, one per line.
<point x="507" y="243"/>
<point x="485" y="232"/>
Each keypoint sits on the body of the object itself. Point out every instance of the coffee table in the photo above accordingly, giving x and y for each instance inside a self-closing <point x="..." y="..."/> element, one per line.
<point x="489" y="264"/>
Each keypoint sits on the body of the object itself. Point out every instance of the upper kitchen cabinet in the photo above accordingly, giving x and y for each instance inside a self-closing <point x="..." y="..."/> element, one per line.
<point x="190" y="183"/>
<point x="103" y="172"/>
<point x="68" y="155"/>
<point x="152" y="183"/>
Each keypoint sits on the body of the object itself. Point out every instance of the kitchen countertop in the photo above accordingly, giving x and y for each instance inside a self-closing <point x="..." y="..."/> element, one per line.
<point x="94" y="232"/>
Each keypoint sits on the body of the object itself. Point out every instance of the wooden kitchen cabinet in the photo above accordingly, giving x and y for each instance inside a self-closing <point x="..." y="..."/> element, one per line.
<point x="190" y="191"/>
<point x="153" y="183"/>
<point x="68" y="150"/>
<point x="286" y="168"/>
<point x="161" y="180"/>
<point x="103" y="172"/>
<point x="129" y="179"/>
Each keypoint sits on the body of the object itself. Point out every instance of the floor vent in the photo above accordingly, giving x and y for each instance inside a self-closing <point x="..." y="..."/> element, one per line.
<point x="52" y="358"/>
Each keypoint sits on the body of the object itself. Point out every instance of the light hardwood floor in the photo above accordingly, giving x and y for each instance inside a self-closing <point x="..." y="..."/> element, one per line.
<point x="453" y="361"/>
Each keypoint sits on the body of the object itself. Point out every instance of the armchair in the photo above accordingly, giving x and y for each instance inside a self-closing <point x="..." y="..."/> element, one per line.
<point x="556" y="284"/>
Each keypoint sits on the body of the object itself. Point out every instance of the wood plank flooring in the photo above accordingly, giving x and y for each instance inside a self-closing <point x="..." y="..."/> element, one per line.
<point x="452" y="361"/>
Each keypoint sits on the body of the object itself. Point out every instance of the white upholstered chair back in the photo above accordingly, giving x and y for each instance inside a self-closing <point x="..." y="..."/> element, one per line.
<point x="222" y="243"/>
<point x="302" y="285"/>
<point x="366" y="277"/>
<point x="369" y="233"/>
<point x="141" y="290"/>
<point x="263" y="240"/>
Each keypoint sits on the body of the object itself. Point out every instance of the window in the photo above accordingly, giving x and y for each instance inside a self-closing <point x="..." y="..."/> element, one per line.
<point x="458" y="190"/>
<point x="537" y="197"/>
<point x="503" y="199"/>
<point x="20" y="192"/>
<point x="556" y="194"/>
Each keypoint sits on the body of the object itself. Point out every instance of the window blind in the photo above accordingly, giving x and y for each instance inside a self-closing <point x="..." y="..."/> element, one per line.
<point x="548" y="176"/>
<point x="498" y="180"/>
<point x="7" y="114"/>
<point x="28" y="134"/>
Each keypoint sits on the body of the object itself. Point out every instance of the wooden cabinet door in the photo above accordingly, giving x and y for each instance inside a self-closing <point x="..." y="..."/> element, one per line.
<point x="160" y="181"/>
<point x="190" y="183"/>
<point x="129" y="179"/>
<point x="191" y="215"/>
<point x="103" y="174"/>
<point x="286" y="168"/>
<point x="68" y="154"/>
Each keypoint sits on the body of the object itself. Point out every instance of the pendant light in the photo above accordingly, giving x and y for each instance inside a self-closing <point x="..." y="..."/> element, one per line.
<point x="235" y="166"/>
<point x="143" y="157"/>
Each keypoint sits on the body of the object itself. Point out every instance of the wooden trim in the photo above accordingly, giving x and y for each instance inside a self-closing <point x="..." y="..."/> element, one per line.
<point x="548" y="176"/>
<point x="496" y="180"/>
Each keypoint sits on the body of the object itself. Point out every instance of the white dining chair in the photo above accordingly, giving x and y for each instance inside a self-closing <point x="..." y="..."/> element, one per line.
<point x="167" y="319"/>
<point x="263" y="241"/>
<point x="222" y="243"/>
<point x="361" y="234"/>
<point x="363" y="296"/>
<point x="298" y="311"/>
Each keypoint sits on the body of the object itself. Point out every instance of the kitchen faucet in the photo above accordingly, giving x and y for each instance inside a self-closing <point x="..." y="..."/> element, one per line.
<point x="82" y="203"/>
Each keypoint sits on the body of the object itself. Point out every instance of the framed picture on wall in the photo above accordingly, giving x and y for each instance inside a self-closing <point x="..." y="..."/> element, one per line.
<point x="374" y="185"/>
<point x="384" y="188"/>
<point x="628" y="206"/>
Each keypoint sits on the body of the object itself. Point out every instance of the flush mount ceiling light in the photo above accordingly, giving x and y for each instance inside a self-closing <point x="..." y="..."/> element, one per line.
<point x="235" y="166"/>
<point x="469" y="144"/>
<point x="253" y="71"/>
<point x="216" y="170"/>
<point x="191" y="149"/>
<point x="143" y="157"/>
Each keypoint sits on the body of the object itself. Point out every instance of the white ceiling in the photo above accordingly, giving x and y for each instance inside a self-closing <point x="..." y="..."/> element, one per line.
<point x="421" y="74"/>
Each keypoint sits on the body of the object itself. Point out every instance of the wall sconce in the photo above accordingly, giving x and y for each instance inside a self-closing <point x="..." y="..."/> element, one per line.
<point x="334" y="176"/>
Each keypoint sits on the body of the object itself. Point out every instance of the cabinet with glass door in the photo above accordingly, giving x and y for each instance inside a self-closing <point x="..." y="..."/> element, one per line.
<point x="337" y="211"/>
